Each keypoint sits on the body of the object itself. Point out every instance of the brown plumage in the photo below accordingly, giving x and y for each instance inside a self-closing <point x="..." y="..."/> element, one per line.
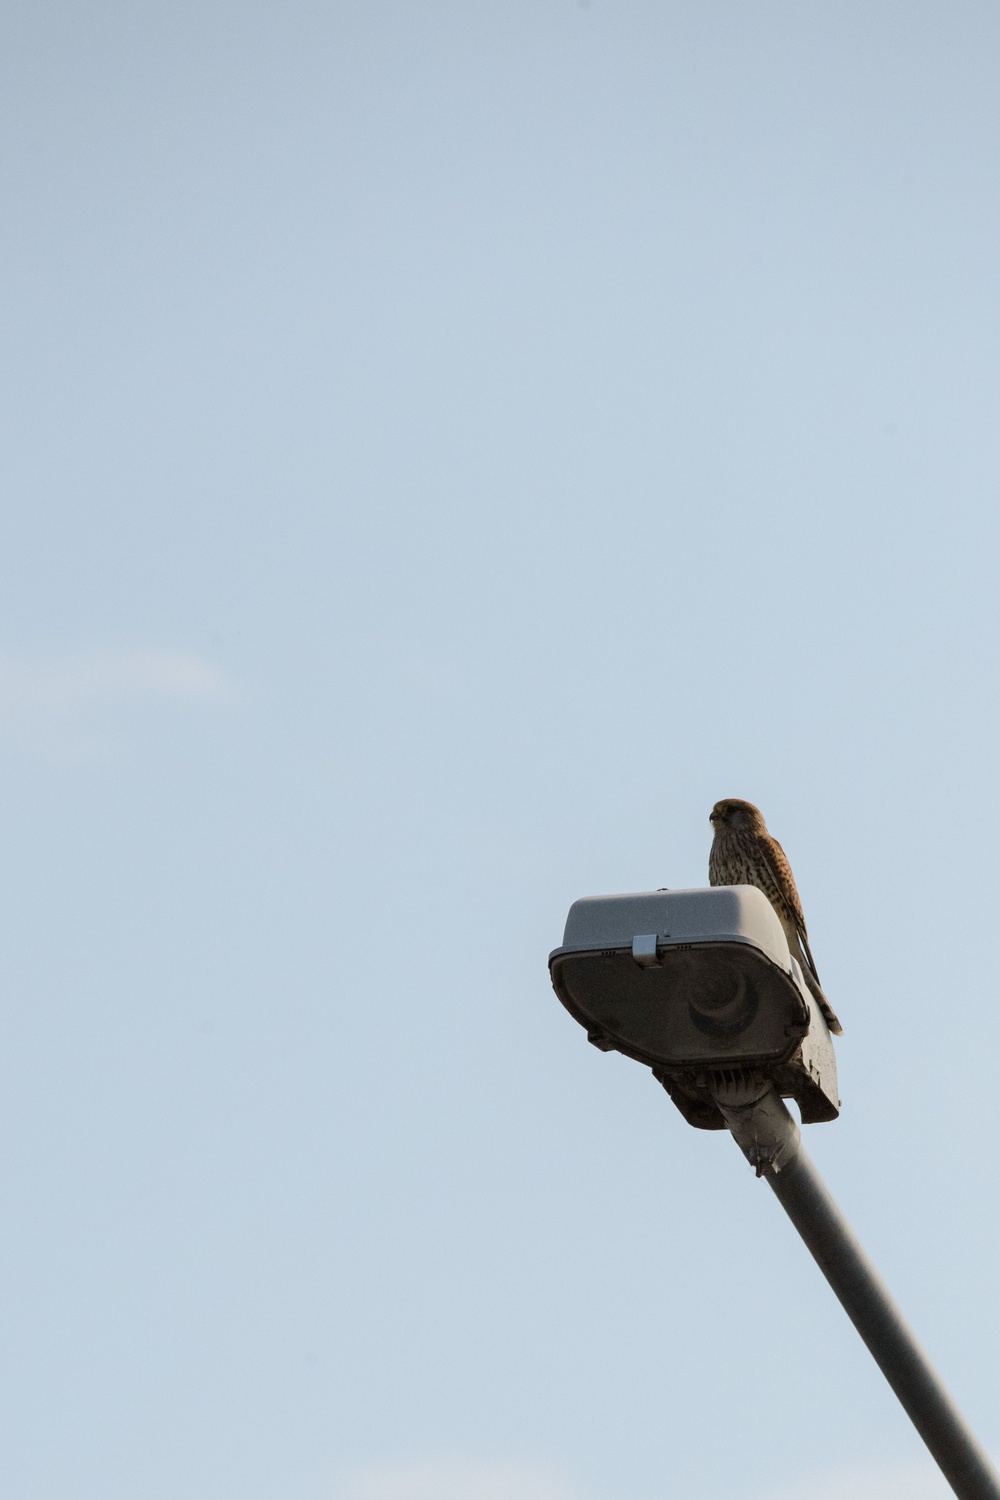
<point x="744" y="853"/>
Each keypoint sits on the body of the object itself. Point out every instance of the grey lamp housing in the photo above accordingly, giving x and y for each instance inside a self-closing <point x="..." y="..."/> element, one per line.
<point x="699" y="985"/>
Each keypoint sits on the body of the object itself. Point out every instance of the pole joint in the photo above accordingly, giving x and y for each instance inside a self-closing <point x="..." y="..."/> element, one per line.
<point x="758" y="1120"/>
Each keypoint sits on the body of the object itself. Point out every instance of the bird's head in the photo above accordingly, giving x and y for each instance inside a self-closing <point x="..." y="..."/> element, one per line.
<point x="737" y="816"/>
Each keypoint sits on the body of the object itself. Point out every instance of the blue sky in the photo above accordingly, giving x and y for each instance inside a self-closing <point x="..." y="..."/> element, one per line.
<point x="447" y="447"/>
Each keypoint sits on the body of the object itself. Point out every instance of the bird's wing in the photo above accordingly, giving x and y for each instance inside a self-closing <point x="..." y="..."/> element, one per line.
<point x="776" y="861"/>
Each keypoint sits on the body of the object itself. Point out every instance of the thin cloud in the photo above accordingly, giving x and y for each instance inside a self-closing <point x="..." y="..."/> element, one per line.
<point x="455" y="1479"/>
<point x="62" y="706"/>
<point x="917" y="1479"/>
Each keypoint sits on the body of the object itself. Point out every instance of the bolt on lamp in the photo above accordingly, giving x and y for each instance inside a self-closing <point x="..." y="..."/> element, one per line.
<point x="700" y="986"/>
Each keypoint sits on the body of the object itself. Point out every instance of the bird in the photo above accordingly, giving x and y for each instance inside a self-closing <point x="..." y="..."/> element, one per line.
<point x="744" y="853"/>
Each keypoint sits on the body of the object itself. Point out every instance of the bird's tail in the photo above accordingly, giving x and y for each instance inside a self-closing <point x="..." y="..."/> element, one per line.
<point x="829" y="1014"/>
<point x="808" y="952"/>
<point x="815" y="988"/>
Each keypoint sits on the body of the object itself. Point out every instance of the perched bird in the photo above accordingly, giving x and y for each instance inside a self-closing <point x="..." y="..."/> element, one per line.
<point x="744" y="853"/>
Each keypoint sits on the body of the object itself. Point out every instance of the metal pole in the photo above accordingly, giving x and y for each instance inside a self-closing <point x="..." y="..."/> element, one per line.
<point x="773" y="1147"/>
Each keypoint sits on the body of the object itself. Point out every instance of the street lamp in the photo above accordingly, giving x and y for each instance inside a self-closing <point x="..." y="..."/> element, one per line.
<point x="700" y="986"/>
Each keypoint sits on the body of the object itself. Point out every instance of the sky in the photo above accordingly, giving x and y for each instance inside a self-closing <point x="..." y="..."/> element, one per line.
<point x="446" y="447"/>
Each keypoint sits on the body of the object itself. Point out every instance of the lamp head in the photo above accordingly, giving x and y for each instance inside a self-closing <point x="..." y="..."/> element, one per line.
<point x="700" y="986"/>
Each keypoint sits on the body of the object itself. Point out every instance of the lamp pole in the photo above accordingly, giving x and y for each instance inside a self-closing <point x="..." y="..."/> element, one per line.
<point x="769" y="1138"/>
<point x="699" y="985"/>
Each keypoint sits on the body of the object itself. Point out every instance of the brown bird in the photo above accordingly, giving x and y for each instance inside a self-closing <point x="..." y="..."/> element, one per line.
<point x="744" y="853"/>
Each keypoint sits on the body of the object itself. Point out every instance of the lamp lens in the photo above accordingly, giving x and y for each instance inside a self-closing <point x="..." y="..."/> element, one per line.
<point x="722" y="998"/>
